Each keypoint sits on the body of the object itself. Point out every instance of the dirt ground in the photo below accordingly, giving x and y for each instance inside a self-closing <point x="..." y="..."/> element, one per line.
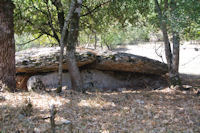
<point x="160" y="111"/>
<point x="127" y="111"/>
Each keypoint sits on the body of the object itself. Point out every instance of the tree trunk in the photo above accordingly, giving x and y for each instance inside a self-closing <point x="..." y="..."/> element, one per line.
<point x="174" y="72"/>
<point x="74" y="72"/>
<point x="163" y="27"/>
<point x="95" y="40"/>
<point x="172" y="59"/>
<point x="63" y="42"/>
<point x="88" y="41"/>
<point x="7" y="46"/>
<point x="101" y="42"/>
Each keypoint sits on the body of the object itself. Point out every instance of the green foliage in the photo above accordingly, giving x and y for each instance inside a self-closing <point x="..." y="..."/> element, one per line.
<point x="21" y="41"/>
<point x="114" y="21"/>
<point x="182" y="16"/>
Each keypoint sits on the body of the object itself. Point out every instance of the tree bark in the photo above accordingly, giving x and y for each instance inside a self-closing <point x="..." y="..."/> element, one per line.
<point x="172" y="58"/>
<point x="63" y="42"/>
<point x="75" y="76"/>
<point x="95" y="40"/>
<point x="174" y="73"/>
<point x="7" y="46"/>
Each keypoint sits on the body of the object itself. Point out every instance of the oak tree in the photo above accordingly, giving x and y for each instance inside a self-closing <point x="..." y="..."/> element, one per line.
<point x="7" y="46"/>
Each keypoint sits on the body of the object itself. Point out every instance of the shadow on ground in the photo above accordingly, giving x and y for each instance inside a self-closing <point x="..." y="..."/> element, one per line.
<point x="191" y="79"/>
<point x="126" y="111"/>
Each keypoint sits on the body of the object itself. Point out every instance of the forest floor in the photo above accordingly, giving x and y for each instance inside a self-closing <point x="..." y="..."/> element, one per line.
<point x="128" y="111"/>
<point x="157" y="111"/>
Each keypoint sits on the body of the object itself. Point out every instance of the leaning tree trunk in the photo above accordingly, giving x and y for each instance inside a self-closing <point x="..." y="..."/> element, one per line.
<point x="63" y="42"/>
<point x="7" y="46"/>
<point x="163" y="27"/>
<point x="74" y="72"/>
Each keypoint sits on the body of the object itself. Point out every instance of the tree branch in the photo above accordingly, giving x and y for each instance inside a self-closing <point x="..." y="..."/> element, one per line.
<point x="51" y="23"/>
<point x="60" y="13"/>
<point x="94" y="9"/>
<point x="31" y="40"/>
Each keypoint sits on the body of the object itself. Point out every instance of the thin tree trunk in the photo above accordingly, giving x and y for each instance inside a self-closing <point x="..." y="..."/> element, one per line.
<point x="172" y="58"/>
<point x="174" y="73"/>
<point x="95" y="40"/>
<point x="163" y="27"/>
<point x="88" y="40"/>
<point x="75" y="76"/>
<point x="62" y="44"/>
<point x="101" y="43"/>
<point x="168" y="51"/>
<point x="7" y="46"/>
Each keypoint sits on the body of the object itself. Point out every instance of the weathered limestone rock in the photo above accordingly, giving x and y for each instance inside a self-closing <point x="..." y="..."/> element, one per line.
<point x="129" y="63"/>
<point x="35" y="83"/>
<point x="104" y="80"/>
<point x="47" y="60"/>
<point x="102" y="70"/>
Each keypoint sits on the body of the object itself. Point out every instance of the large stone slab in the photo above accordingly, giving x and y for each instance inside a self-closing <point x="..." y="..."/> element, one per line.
<point x="98" y="69"/>
<point x="129" y="63"/>
<point x="47" y="60"/>
<point x="103" y="80"/>
<point x="40" y="60"/>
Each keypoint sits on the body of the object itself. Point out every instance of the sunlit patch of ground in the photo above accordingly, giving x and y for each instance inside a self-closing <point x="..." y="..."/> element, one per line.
<point x="128" y="111"/>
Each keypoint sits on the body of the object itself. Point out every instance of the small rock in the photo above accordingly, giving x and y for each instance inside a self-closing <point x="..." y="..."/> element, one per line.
<point x="35" y="83"/>
<point x="133" y="110"/>
<point x="140" y="101"/>
<point x="177" y="87"/>
<point x="40" y="129"/>
<point x="165" y="121"/>
<point x="66" y="122"/>
<point x="156" y="116"/>
<point x="21" y="117"/>
<point x="196" y="49"/>
<point x="2" y="98"/>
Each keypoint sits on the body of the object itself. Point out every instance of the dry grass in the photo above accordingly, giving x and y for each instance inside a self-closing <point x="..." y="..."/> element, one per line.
<point x="128" y="111"/>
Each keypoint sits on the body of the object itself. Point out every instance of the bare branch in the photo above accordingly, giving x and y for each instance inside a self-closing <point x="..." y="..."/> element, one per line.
<point x="156" y="51"/>
<point x="31" y="40"/>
